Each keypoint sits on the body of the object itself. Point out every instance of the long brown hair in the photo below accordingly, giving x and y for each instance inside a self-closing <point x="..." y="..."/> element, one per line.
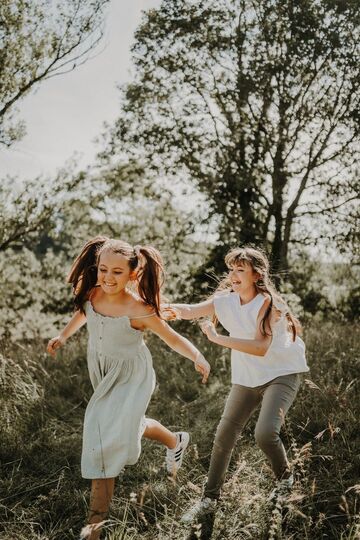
<point x="259" y="263"/>
<point x="146" y="260"/>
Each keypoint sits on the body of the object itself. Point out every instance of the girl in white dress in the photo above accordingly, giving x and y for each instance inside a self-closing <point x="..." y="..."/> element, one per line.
<point x="119" y="363"/>
<point x="267" y="356"/>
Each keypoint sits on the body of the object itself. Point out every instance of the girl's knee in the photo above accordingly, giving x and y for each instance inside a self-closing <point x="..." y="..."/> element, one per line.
<point x="230" y="424"/>
<point x="226" y="433"/>
<point x="266" y="436"/>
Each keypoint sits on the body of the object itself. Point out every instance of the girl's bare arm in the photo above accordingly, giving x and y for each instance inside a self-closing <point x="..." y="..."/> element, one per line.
<point x="179" y="344"/>
<point x="194" y="311"/>
<point x="77" y="321"/>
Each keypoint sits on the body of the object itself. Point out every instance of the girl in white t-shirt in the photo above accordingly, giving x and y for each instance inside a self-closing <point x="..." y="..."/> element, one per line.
<point x="267" y="356"/>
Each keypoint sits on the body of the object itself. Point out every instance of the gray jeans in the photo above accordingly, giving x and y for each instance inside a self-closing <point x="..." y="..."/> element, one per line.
<point x="276" y="398"/>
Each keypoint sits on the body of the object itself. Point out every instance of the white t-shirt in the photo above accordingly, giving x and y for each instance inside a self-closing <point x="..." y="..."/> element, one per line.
<point x="283" y="357"/>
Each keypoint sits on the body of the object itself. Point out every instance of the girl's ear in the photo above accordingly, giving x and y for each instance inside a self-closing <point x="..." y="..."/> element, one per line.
<point x="133" y="275"/>
<point x="258" y="277"/>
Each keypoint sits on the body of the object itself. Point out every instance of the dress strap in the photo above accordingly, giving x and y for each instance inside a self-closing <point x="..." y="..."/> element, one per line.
<point x="143" y="316"/>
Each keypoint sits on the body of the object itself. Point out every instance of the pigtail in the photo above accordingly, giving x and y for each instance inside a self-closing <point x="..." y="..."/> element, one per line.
<point x="83" y="273"/>
<point x="265" y="320"/>
<point x="150" y="276"/>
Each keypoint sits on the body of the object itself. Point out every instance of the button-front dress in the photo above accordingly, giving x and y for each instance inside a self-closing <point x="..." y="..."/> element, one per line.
<point x="123" y="379"/>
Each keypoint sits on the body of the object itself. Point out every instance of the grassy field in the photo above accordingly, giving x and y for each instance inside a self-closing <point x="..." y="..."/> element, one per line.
<point x="42" y="494"/>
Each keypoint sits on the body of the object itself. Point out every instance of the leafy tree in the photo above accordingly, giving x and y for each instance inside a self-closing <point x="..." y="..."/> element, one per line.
<point x="257" y="103"/>
<point x="39" y="40"/>
<point x="30" y="209"/>
<point x="139" y="209"/>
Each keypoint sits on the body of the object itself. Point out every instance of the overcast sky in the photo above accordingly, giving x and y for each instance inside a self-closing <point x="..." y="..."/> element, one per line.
<point x="67" y="113"/>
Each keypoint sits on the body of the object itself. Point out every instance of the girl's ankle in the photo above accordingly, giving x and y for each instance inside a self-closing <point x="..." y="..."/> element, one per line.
<point x="92" y="530"/>
<point x="173" y="442"/>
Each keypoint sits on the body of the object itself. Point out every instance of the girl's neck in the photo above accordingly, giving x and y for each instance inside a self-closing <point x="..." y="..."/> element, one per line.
<point x="248" y="295"/>
<point x="117" y="298"/>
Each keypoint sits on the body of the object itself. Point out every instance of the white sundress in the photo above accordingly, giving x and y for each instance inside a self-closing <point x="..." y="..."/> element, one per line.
<point x="123" y="379"/>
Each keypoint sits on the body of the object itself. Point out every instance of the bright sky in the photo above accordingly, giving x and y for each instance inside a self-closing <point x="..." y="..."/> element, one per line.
<point x="67" y="113"/>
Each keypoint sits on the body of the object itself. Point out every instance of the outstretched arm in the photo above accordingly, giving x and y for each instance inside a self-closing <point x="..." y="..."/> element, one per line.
<point x="77" y="321"/>
<point x="179" y="344"/>
<point x="257" y="346"/>
<point x="194" y="311"/>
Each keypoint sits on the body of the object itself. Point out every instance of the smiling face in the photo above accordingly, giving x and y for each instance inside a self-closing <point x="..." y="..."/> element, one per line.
<point x="113" y="272"/>
<point x="243" y="277"/>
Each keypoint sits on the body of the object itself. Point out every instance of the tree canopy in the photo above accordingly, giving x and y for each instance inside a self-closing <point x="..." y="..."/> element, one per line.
<point x="39" y="40"/>
<point x="257" y="103"/>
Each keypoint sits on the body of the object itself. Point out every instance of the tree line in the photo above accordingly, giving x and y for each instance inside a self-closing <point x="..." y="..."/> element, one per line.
<point x="254" y="105"/>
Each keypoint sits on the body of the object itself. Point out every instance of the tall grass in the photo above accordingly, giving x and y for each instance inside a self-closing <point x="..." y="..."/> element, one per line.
<point x="42" y="494"/>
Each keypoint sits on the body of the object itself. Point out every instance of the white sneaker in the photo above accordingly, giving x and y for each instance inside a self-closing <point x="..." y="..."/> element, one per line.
<point x="282" y="488"/>
<point x="174" y="456"/>
<point x="200" y="509"/>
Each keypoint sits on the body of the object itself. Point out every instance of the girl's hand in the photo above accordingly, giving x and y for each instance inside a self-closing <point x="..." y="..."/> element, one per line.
<point x="169" y="313"/>
<point x="209" y="330"/>
<point x="203" y="367"/>
<point x="55" y="344"/>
